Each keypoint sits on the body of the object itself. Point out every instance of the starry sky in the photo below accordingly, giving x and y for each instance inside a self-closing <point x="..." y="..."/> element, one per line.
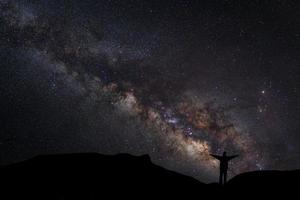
<point x="177" y="80"/>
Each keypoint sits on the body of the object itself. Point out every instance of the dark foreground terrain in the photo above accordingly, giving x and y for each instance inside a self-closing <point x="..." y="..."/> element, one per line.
<point x="95" y="176"/>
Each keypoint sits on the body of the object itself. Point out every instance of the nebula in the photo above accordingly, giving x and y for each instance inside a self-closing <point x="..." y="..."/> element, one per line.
<point x="113" y="78"/>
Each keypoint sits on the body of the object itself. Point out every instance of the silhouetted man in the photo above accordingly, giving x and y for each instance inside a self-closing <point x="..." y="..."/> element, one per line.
<point x="223" y="166"/>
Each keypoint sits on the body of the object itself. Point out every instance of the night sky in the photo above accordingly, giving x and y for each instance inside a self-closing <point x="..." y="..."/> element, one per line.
<point x="177" y="80"/>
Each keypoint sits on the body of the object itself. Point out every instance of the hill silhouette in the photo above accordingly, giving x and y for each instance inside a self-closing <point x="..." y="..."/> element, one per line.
<point x="267" y="181"/>
<point x="93" y="176"/>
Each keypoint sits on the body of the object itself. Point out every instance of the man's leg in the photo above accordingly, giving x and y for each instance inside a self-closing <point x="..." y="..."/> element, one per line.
<point x="220" y="178"/>
<point x="225" y="177"/>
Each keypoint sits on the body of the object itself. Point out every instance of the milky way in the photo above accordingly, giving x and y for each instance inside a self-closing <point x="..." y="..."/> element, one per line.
<point x="175" y="80"/>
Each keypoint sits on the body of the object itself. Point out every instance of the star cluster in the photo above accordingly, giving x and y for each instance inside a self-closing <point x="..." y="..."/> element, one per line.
<point x="176" y="79"/>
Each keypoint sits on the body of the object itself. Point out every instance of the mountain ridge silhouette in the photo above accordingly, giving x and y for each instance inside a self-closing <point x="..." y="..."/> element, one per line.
<point x="92" y="176"/>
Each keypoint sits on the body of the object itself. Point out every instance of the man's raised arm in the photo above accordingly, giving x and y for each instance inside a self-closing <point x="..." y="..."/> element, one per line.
<point x="232" y="157"/>
<point x="216" y="156"/>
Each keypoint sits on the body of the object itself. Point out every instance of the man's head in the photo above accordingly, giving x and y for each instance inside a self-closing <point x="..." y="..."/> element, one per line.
<point x="224" y="153"/>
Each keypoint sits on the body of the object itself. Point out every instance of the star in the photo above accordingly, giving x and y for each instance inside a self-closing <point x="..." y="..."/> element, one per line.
<point x="175" y="81"/>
